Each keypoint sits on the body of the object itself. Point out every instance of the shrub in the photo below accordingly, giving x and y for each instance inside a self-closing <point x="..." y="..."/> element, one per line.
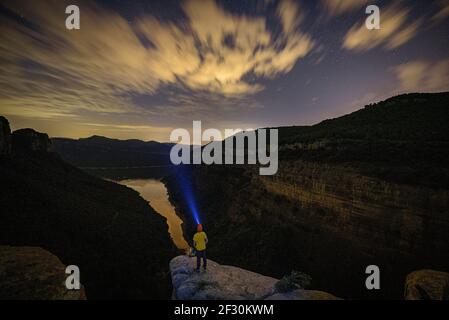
<point x="293" y="281"/>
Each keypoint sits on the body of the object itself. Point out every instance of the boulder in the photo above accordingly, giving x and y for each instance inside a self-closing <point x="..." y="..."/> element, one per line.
<point x="427" y="285"/>
<point x="31" y="140"/>
<point x="32" y="273"/>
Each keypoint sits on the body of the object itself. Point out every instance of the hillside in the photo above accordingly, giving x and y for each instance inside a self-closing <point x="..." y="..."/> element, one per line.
<point x="402" y="139"/>
<point x="119" y="242"/>
<point x="367" y="188"/>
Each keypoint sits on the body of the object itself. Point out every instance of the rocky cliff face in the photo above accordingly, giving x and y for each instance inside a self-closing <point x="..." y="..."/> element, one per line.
<point x="221" y="282"/>
<point x="427" y="285"/>
<point x="120" y="244"/>
<point x="5" y="137"/>
<point x="32" y="273"/>
<point x="23" y="140"/>
<point x="30" y="140"/>
<point x="371" y="187"/>
<point x="328" y="221"/>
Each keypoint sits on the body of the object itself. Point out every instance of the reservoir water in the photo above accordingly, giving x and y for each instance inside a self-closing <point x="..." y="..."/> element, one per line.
<point x="155" y="192"/>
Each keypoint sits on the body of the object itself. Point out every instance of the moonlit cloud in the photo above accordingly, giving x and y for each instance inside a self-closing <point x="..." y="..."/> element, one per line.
<point x="50" y="72"/>
<point x="443" y="12"/>
<point x="423" y="76"/>
<point x="337" y="7"/>
<point x="58" y="72"/>
<point x="396" y="30"/>
<point x="251" y="47"/>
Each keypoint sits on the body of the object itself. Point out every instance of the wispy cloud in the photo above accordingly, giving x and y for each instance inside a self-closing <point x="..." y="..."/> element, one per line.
<point x="443" y="11"/>
<point x="48" y="71"/>
<point x="423" y="76"/>
<point x="396" y="30"/>
<point x="233" y="46"/>
<point x="338" y="7"/>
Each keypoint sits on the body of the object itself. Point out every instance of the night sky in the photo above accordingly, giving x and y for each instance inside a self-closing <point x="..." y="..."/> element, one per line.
<point x="138" y="69"/>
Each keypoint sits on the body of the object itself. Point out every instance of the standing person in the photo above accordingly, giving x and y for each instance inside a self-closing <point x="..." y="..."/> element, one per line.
<point x="199" y="243"/>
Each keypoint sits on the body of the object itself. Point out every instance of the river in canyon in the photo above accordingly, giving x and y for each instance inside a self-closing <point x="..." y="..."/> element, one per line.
<point x="155" y="192"/>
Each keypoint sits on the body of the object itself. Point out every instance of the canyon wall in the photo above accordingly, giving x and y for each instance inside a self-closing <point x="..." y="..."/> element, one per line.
<point x="31" y="140"/>
<point x="371" y="187"/>
<point x="328" y="221"/>
<point x="5" y="137"/>
<point x="120" y="244"/>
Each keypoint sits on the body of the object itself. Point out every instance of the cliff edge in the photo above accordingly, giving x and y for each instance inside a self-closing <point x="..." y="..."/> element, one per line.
<point x="427" y="285"/>
<point x="31" y="140"/>
<point x="5" y="137"/>
<point x="229" y="283"/>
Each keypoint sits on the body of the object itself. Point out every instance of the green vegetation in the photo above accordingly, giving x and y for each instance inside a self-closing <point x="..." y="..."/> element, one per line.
<point x="203" y="284"/>
<point x="404" y="139"/>
<point x="293" y="281"/>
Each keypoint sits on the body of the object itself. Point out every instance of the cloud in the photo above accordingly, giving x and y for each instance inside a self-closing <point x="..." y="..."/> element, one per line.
<point x="289" y="13"/>
<point x="423" y="76"/>
<point x="443" y="12"/>
<point x="49" y="72"/>
<point x="251" y="47"/>
<point x="403" y="35"/>
<point x="396" y="30"/>
<point x="338" y="7"/>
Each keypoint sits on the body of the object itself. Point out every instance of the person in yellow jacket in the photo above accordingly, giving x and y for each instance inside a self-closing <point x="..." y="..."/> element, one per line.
<point x="199" y="243"/>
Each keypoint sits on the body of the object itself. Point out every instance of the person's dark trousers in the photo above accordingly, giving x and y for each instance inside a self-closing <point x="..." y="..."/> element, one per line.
<point x="199" y="255"/>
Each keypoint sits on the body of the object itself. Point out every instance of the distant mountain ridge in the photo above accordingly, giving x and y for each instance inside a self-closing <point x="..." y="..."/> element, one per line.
<point x="98" y="151"/>
<point x="115" y="158"/>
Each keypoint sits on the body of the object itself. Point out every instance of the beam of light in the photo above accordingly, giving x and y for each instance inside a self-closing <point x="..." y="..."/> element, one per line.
<point x="187" y="191"/>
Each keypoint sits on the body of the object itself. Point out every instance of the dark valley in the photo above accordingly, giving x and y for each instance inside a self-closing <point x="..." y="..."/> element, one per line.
<point x="119" y="243"/>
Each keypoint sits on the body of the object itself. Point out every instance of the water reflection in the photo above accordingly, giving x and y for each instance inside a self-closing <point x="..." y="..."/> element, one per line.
<point x="155" y="192"/>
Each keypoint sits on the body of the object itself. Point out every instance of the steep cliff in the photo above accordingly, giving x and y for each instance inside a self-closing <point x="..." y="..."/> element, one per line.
<point x="32" y="273"/>
<point x="120" y="244"/>
<point x="229" y="283"/>
<point x="368" y="188"/>
<point x="427" y="285"/>
<point x="30" y="140"/>
<point x="5" y="137"/>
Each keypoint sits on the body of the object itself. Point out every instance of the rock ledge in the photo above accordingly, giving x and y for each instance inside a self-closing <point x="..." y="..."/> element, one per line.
<point x="229" y="283"/>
